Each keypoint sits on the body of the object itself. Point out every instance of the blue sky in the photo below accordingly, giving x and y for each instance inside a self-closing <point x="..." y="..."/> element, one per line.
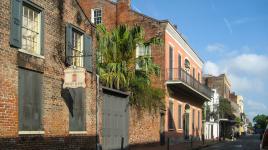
<point x="231" y="36"/>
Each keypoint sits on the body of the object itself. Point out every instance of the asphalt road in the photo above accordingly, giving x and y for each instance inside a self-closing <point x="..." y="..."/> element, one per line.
<point x="250" y="142"/>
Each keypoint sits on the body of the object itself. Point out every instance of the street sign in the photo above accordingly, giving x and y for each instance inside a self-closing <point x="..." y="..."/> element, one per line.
<point x="74" y="77"/>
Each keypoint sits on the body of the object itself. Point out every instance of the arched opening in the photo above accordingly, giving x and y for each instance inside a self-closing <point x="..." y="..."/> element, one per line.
<point x="186" y="121"/>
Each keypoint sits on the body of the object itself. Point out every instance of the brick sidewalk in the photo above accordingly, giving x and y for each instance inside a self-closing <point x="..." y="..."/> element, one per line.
<point x="181" y="146"/>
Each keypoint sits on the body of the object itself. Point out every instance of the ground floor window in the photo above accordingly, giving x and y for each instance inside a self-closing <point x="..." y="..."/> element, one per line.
<point x="30" y="100"/>
<point x="193" y="120"/>
<point x="77" y="110"/>
<point x="170" y="115"/>
<point x="179" y="117"/>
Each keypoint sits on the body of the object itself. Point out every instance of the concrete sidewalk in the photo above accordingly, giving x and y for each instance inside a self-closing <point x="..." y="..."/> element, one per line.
<point x="180" y="146"/>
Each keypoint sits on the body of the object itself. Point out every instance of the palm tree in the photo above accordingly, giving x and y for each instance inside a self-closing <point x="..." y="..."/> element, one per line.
<point x="116" y="56"/>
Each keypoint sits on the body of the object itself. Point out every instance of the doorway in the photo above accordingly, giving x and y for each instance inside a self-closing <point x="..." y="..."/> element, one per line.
<point x="186" y="121"/>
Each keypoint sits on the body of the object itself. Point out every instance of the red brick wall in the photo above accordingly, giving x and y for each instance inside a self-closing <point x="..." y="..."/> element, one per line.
<point x="108" y="11"/>
<point x="145" y="128"/>
<point x="55" y="117"/>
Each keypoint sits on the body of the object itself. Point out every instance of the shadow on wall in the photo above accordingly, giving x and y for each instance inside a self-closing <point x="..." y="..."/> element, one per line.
<point x="39" y="142"/>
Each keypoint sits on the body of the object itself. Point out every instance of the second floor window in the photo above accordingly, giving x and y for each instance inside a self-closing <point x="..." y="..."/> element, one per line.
<point x="96" y="16"/>
<point x="77" y="49"/>
<point x="142" y="51"/>
<point x="30" y="30"/>
<point x="187" y="65"/>
<point x="170" y="116"/>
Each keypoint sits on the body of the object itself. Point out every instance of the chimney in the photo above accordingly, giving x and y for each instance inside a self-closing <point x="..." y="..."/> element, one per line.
<point x="124" y="2"/>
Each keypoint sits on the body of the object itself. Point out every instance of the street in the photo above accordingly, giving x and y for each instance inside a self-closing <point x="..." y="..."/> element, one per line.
<point x="250" y="142"/>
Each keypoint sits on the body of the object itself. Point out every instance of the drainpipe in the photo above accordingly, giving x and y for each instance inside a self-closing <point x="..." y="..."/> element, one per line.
<point x="97" y="112"/>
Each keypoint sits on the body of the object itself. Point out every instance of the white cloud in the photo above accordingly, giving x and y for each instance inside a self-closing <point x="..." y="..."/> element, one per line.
<point x="211" y="68"/>
<point x="249" y="64"/>
<point x="228" y="25"/>
<point x="255" y="105"/>
<point x="245" y="83"/>
<point x="242" y="21"/>
<point x="217" y="47"/>
<point x="245" y="71"/>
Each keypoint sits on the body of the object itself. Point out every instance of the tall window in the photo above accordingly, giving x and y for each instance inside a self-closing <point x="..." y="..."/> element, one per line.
<point x="170" y="115"/>
<point x="142" y="51"/>
<point x="77" y="111"/>
<point x="78" y="46"/>
<point x="187" y="65"/>
<point x="171" y="62"/>
<point x="31" y="30"/>
<point x="179" y="66"/>
<point x="96" y="15"/>
<point x="179" y="117"/>
<point x="198" y="77"/>
<point x="194" y="73"/>
<point x="30" y="100"/>
<point x="198" y="119"/>
<point x="193" y="120"/>
<point x="77" y="49"/>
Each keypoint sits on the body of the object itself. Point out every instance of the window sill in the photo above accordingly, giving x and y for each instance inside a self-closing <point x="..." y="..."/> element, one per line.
<point x="29" y="53"/>
<point x="31" y="132"/>
<point x="171" y="129"/>
<point x="77" y="132"/>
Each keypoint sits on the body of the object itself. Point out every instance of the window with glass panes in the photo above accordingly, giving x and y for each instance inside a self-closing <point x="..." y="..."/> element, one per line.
<point x="142" y="51"/>
<point x="97" y="16"/>
<point x="77" y="49"/>
<point x="30" y="30"/>
<point x="170" y="115"/>
<point x="179" y="117"/>
<point x="198" y="119"/>
<point x="193" y="119"/>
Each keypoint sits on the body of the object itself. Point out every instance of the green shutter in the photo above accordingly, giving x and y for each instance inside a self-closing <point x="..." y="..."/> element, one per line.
<point x="68" y="45"/>
<point x="42" y="33"/>
<point x="88" y="53"/>
<point x="15" y="24"/>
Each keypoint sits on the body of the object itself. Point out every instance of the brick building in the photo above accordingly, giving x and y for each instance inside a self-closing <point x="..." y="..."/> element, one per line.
<point x="181" y="74"/>
<point x="221" y="83"/>
<point x="38" y="40"/>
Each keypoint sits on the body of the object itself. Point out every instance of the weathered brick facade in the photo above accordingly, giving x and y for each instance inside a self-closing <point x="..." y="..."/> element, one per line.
<point x="221" y="83"/>
<point x="55" y="113"/>
<point x="144" y="128"/>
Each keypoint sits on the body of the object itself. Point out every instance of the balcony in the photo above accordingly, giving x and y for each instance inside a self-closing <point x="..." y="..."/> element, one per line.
<point x="177" y="78"/>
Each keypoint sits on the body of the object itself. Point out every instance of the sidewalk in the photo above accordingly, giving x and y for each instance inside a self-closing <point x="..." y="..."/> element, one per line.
<point x="180" y="146"/>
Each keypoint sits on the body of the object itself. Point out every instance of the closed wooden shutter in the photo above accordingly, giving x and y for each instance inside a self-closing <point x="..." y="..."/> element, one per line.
<point x="88" y="53"/>
<point x="42" y="34"/>
<point x="170" y="116"/>
<point x="15" y="24"/>
<point x="179" y="117"/>
<point x="170" y="63"/>
<point x="77" y="117"/>
<point x="30" y="100"/>
<point x="69" y="45"/>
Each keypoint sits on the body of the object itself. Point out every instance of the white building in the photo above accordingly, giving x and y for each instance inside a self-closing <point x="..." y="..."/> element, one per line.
<point x="212" y="124"/>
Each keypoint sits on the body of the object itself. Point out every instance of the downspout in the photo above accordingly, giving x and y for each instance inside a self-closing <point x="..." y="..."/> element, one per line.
<point x="97" y="113"/>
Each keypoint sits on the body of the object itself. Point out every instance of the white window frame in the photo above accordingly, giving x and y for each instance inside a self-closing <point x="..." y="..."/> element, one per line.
<point x="146" y="51"/>
<point x="93" y="15"/>
<point x="80" y="58"/>
<point x="38" y="42"/>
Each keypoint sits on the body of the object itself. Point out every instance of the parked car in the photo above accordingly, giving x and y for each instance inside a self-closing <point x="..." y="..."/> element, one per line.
<point x="264" y="141"/>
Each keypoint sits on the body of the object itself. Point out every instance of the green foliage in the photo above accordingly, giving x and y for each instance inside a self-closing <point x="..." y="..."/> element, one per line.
<point x="146" y="96"/>
<point x="116" y="63"/>
<point x="260" y="121"/>
<point x="225" y="109"/>
<point x="238" y="121"/>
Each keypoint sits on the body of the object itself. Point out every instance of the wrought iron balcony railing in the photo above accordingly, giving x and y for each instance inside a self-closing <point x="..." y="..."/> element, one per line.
<point x="179" y="74"/>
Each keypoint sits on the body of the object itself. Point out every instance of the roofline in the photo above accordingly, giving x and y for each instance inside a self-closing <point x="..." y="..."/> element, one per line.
<point x="167" y="21"/>
<point x="85" y="14"/>
<point x="163" y="21"/>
